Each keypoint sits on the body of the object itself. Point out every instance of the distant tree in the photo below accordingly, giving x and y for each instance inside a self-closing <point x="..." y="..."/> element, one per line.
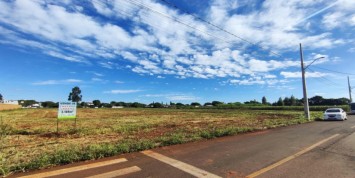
<point x="25" y="103"/>
<point x="287" y="101"/>
<point x="49" y="104"/>
<point x="96" y="103"/>
<point x="300" y="102"/>
<point x="293" y="101"/>
<point x="237" y="103"/>
<point x="137" y="105"/>
<point x="179" y="105"/>
<point x="207" y="104"/>
<point x="113" y="103"/>
<point x="195" y="104"/>
<point x="83" y="104"/>
<point x="1" y="97"/>
<point x="280" y="102"/>
<point x="121" y="103"/>
<point x="75" y="96"/>
<point x="106" y="105"/>
<point x="252" y="102"/>
<point x="344" y="101"/>
<point x="216" y="103"/>
<point x="264" y="101"/>
<point x="317" y="100"/>
<point x="156" y="105"/>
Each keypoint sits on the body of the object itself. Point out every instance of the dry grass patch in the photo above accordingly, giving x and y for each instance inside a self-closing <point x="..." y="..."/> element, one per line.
<point x="31" y="141"/>
<point x="4" y="107"/>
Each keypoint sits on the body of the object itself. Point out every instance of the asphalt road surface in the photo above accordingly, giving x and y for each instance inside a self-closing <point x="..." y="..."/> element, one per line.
<point x="320" y="149"/>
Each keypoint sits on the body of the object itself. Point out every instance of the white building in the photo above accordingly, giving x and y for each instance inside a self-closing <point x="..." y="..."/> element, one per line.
<point x="35" y="105"/>
<point x="14" y="102"/>
<point x="117" y="107"/>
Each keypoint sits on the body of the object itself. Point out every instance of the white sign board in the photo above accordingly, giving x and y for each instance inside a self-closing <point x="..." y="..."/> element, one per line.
<point x="67" y="110"/>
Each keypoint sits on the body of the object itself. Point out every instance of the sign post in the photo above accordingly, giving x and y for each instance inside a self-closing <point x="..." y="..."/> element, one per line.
<point x="66" y="111"/>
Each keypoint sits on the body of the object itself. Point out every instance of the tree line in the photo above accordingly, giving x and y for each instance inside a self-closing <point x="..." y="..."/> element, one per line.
<point x="75" y="96"/>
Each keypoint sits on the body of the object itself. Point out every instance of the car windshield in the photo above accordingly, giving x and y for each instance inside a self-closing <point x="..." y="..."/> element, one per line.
<point x="332" y="110"/>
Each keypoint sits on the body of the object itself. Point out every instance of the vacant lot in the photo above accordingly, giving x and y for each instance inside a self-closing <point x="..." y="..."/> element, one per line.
<point x="29" y="139"/>
<point x="8" y="107"/>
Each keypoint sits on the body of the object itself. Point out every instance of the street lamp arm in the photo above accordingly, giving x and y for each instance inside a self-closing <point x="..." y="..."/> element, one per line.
<point x="313" y="62"/>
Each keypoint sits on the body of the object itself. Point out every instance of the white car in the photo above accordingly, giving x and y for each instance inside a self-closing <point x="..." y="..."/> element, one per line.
<point x="335" y="114"/>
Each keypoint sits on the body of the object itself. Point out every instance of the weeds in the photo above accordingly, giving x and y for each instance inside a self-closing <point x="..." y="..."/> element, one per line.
<point x="102" y="132"/>
<point x="220" y="132"/>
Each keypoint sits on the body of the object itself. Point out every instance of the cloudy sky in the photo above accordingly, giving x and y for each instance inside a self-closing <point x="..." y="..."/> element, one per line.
<point x="175" y="50"/>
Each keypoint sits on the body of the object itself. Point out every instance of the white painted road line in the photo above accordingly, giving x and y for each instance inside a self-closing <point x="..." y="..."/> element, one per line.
<point x="180" y="165"/>
<point x="116" y="173"/>
<point x="257" y="173"/>
<point x="76" y="168"/>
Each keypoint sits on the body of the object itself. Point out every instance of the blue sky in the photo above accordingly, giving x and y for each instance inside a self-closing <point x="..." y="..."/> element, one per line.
<point x="146" y="50"/>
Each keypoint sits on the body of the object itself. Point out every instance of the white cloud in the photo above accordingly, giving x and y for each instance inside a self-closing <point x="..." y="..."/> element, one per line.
<point x="122" y="91"/>
<point x="98" y="74"/>
<point x="108" y="65"/>
<point x="268" y="80"/>
<point x="182" y="98"/>
<point x="57" y="82"/>
<point x="154" y="44"/>
<point x="270" y="76"/>
<point x="119" y="82"/>
<point x="102" y="7"/>
<point x="65" y="57"/>
<point x="247" y="82"/>
<point x="174" y="97"/>
<point x="266" y="66"/>
<point x="333" y="20"/>
<point x="96" y="79"/>
<point x="299" y="75"/>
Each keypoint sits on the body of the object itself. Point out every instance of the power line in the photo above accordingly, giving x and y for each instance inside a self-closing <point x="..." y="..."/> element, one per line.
<point x="157" y="27"/>
<point x="144" y="6"/>
<point x="325" y="79"/>
<point x="220" y="28"/>
<point x="333" y="71"/>
<point x="175" y="19"/>
<point x="327" y="82"/>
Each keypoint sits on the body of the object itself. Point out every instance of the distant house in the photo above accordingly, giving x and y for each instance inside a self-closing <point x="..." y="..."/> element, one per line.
<point x="89" y="105"/>
<point x="117" y="107"/>
<point x="14" y="102"/>
<point x="35" y="105"/>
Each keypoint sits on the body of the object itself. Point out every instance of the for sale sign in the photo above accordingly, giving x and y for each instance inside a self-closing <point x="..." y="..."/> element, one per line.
<point x="67" y="110"/>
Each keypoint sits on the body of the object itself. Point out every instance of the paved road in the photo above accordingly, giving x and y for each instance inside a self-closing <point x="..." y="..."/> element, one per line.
<point x="318" y="149"/>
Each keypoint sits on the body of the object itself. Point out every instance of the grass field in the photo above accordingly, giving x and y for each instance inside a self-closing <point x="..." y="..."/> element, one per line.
<point x="29" y="139"/>
<point x="8" y="107"/>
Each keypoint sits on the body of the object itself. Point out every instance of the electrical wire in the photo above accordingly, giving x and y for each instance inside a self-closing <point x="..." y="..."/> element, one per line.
<point x="333" y="71"/>
<point x="175" y="19"/>
<point x="144" y="6"/>
<point x="325" y="79"/>
<point x="219" y="28"/>
<point x="155" y="26"/>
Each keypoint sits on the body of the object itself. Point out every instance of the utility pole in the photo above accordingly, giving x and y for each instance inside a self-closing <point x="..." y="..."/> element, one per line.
<point x="351" y="100"/>
<point x="305" y="98"/>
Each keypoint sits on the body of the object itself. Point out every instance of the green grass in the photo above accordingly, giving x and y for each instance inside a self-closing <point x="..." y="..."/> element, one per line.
<point x="29" y="139"/>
